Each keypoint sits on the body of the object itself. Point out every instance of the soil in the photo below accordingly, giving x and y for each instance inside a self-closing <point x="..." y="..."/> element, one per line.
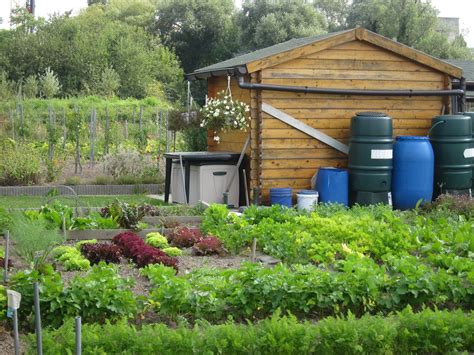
<point x="6" y="342"/>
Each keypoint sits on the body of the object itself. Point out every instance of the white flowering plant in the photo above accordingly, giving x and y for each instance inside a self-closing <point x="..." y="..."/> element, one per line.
<point x="222" y="113"/>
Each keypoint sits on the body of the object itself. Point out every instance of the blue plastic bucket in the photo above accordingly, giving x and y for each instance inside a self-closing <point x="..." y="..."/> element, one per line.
<point x="333" y="185"/>
<point x="281" y="196"/>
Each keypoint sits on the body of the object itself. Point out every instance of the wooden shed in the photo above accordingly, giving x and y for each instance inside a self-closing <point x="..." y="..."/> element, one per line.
<point x="303" y="93"/>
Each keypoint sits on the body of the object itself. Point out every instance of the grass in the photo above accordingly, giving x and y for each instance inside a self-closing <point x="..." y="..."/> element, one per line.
<point x="83" y="201"/>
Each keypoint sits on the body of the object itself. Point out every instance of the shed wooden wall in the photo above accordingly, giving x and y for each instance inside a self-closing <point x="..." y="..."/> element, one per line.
<point x="287" y="157"/>
<point x="234" y="141"/>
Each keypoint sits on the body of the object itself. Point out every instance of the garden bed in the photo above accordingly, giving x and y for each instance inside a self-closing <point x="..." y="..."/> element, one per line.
<point x="383" y="274"/>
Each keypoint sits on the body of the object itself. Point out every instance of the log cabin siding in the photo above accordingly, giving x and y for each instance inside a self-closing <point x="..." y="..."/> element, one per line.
<point x="289" y="157"/>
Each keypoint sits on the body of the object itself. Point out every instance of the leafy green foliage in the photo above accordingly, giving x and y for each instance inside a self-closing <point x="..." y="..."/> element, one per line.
<point x="33" y="240"/>
<point x="20" y="165"/>
<point x="96" y="296"/>
<point x="49" y="83"/>
<point x="357" y="285"/>
<point x="156" y="240"/>
<point x="172" y="251"/>
<point x="3" y="302"/>
<point x="410" y="22"/>
<point x="265" y="23"/>
<point x="71" y="258"/>
<point x="127" y="215"/>
<point x="434" y="332"/>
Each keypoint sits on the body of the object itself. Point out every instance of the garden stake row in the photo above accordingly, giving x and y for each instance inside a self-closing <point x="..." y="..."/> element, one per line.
<point x="5" y="270"/>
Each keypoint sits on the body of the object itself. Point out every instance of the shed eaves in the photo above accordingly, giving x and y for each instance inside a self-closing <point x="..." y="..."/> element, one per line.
<point x="467" y="67"/>
<point x="242" y="60"/>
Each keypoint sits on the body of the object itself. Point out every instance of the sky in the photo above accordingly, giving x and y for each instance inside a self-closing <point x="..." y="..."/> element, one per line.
<point x="464" y="9"/>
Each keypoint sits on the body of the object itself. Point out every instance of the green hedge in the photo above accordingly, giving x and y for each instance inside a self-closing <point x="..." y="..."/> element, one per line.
<point x="433" y="332"/>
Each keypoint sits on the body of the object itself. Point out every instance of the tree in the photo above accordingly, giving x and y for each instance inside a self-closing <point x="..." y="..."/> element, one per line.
<point x="411" y="22"/>
<point x="96" y="2"/>
<point x="50" y="86"/>
<point x="335" y="12"/>
<point x="201" y="32"/>
<point x="263" y="23"/>
<point x="30" y="87"/>
<point x="109" y="82"/>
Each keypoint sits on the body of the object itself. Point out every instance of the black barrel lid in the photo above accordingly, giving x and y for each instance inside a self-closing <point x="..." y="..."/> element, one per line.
<point x="371" y="114"/>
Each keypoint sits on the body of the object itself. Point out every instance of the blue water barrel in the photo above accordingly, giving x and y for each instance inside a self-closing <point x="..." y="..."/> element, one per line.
<point x="413" y="171"/>
<point x="281" y="196"/>
<point x="333" y="185"/>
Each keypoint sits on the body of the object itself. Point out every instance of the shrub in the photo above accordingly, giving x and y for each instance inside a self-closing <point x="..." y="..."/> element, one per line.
<point x="96" y="296"/>
<point x="127" y="215"/>
<point x="126" y="163"/>
<point x="103" y="180"/>
<point x="5" y="220"/>
<point x="173" y="251"/>
<point x="96" y="253"/>
<point x="133" y="247"/>
<point x="72" y="180"/>
<point x="33" y="240"/>
<point x="3" y="302"/>
<point x="184" y="237"/>
<point x="208" y="246"/>
<point x="156" y="240"/>
<point x="20" y="165"/>
<point x="427" y="332"/>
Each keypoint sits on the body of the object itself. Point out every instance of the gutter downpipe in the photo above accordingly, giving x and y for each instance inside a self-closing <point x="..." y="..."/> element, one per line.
<point x="311" y="90"/>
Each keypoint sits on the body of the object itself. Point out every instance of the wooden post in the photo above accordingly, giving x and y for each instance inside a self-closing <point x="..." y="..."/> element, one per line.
<point x="64" y="128"/>
<point x="77" y="161"/>
<point x="159" y="118"/>
<point x="167" y="133"/>
<point x="92" y="136"/>
<point x="107" y="132"/>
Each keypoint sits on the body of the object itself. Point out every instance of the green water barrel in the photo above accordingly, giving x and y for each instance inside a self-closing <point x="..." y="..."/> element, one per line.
<point x="471" y="114"/>
<point x="451" y="138"/>
<point x="370" y="158"/>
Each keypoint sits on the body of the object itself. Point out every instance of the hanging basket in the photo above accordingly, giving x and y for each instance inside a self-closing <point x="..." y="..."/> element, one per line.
<point x="222" y="113"/>
<point x="179" y="120"/>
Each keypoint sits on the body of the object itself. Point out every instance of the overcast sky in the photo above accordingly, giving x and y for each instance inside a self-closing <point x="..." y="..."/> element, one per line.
<point x="464" y="9"/>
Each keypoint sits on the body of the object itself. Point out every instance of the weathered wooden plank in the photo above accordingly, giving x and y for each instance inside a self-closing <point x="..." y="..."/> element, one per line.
<point x="335" y="53"/>
<point x="359" y="84"/>
<point x="411" y="53"/>
<point x="374" y="104"/>
<point x="301" y="95"/>
<point x="305" y="163"/>
<point x="320" y="136"/>
<point x="272" y="126"/>
<point x="306" y="115"/>
<point x="289" y="182"/>
<point x="300" y="51"/>
<point x="308" y="143"/>
<point x="350" y="74"/>
<point x="353" y="64"/>
<point x="296" y="173"/>
<point x="323" y="153"/>
<point x="291" y="133"/>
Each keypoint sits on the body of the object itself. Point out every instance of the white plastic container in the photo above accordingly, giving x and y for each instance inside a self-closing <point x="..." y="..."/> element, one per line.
<point x="307" y="199"/>
<point x="206" y="183"/>
<point x="177" y="186"/>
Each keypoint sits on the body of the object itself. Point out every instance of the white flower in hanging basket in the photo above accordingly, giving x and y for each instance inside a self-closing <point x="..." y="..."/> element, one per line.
<point x="222" y="113"/>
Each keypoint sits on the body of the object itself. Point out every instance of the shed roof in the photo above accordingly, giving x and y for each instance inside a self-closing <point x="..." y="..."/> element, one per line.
<point x="294" y="48"/>
<point x="467" y="67"/>
<point x="243" y="59"/>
